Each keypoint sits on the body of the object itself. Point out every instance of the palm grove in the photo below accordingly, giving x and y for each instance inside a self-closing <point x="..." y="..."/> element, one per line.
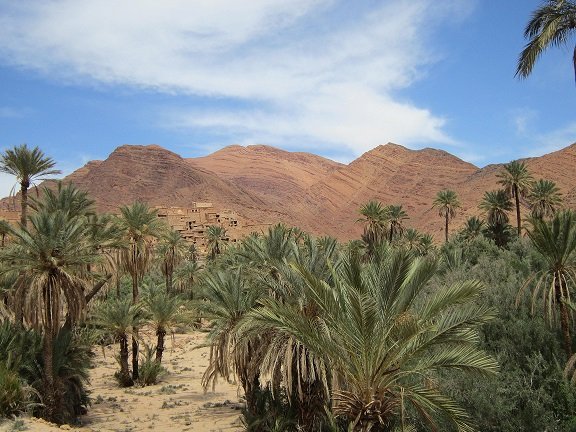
<point x="389" y="332"/>
<point x="382" y="333"/>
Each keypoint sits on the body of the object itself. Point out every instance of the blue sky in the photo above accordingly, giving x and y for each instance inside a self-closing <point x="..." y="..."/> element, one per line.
<point x="337" y="78"/>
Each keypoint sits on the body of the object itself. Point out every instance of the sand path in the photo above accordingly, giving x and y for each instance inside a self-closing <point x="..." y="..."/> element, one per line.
<point x="177" y="403"/>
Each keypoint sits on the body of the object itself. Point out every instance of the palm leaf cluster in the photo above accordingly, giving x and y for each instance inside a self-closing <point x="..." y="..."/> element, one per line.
<point x="320" y="324"/>
<point x="551" y="25"/>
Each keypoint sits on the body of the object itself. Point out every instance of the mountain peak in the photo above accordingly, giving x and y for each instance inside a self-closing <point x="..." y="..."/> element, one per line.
<point x="269" y="185"/>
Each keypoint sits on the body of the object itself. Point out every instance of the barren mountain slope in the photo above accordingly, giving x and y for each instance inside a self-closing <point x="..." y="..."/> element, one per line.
<point x="159" y="177"/>
<point x="261" y="168"/>
<point x="267" y="185"/>
<point x="559" y="166"/>
<point x="279" y="178"/>
<point x="391" y="174"/>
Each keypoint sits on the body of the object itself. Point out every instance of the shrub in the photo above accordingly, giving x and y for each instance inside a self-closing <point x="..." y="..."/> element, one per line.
<point x="15" y="395"/>
<point x="150" y="371"/>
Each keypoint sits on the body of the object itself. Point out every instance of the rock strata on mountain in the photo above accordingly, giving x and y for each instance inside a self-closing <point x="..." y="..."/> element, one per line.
<point x="265" y="185"/>
<point x="154" y="175"/>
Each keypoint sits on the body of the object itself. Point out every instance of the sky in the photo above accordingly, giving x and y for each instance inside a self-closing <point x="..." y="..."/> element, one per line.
<point x="79" y="78"/>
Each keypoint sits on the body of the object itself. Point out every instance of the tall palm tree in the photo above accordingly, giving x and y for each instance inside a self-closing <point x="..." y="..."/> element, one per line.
<point x="516" y="181"/>
<point x="171" y="250"/>
<point x="185" y="276"/>
<point x="141" y="228"/>
<point x="555" y="241"/>
<point x="28" y="166"/>
<point x="396" y="216"/>
<point x="375" y="223"/>
<point x="120" y="317"/>
<point x="216" y="236"/>
<point x="496" y="204"/>
<point x="227" y="298"/>
<point x="48" y="258"/>
<point x="551" y="24"/>
<point x="447" y="203"/>
<point x="165" y="312"/>
<point x="383" y="335"/>
<point x="544" y="199"/>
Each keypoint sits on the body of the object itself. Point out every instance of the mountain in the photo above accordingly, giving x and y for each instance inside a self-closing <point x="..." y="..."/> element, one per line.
<point x="391" y="174"/>
<point x="266" y="185"/>
<point x="160" y="177"/>
<point x="277" y="177"/>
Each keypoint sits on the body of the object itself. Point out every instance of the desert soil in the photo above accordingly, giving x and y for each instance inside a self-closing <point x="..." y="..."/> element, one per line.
<point x="177" y="403"/>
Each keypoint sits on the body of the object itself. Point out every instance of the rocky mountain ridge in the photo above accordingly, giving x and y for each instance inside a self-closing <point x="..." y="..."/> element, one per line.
<point x="269" y="185"/>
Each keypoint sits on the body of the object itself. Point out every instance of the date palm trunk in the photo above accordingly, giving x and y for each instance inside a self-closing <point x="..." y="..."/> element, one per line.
<point x="24" y="185"/>
<point x="161" y="333"/>
<point x="135" y="368"/>
<point x="125" y="378"/>
<point x="52" y="400"/>
<point x="564" y="318"/>
<point x="518" y="220"/>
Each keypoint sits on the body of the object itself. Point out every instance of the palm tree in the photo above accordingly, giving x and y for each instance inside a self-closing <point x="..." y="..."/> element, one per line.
<point x="496" y="204"/>
<point x="141" y="227"/>
<point x="383" y="335"/>
<point x="28" y="166"/>
<point x="5" y="230"/>
<point x="395" y="215"/>
<point x="48" y="259"/>
<point x="171" y="250"/>
<point x="227" y="298"/>
<point x="447" y="202"/>
<point x="185" y="275"/>
<point x="375" y="221"/>
<point x="216" y="235"/>
<point x="555" y="241"/>
<point x="516" y="181"/>
<point x="165" y="312"/>
<point x="426" y="245"/>
<point x="544" y="199"/>
<point x="412" y="239"/>
<point x="65" y="197"/>
<point x="500" y="234"/>
<point x="472" y="228"/>
<point x="119" y="317"/>
<point x="299" y="371"/>
<point x="268" y="253"/>
<point x="551" y="24"/>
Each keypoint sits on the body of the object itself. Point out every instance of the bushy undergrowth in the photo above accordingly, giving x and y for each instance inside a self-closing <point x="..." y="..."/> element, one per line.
<point x="15" y="395"/>
<point x="270" y="413"/>
<point x="151" y="371"/>
<point x="529" y="393"/>
<point x="21" y="371"/>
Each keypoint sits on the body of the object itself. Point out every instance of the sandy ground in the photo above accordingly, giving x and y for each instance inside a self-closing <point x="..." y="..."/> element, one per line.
<point x="177" y="403"/>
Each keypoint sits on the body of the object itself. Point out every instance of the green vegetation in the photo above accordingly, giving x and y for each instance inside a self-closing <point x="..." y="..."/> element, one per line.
<point x="28" y="166"/>
<point x="385" y="333"/>
<point x="551" y="25"/>
<point x="447" y="203"/>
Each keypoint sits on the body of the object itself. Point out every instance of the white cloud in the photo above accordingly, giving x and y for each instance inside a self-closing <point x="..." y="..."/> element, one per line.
<point x="522" y="120"/>
<point x="322" y="70"/>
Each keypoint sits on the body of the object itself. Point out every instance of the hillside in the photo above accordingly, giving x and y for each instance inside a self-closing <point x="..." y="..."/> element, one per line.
<point x="268" y="185"/>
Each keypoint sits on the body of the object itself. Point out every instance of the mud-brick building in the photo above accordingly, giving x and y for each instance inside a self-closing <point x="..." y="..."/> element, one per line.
<point x="193" y="222"/>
